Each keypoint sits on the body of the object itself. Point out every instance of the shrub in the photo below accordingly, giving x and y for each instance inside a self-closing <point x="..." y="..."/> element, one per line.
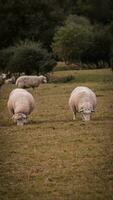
<point x="30" y="57"/>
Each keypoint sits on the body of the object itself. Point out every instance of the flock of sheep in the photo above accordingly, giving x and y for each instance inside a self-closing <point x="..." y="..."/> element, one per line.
<point x="21" y="103"/>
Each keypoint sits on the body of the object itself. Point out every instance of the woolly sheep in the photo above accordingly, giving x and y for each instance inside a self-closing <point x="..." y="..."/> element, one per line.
<point x="30" y="81"/>
<point x="11" y="80"/>
<point x="2" y="79"/>
<point x="20" y="105"/>
<point x="82" y="100"/>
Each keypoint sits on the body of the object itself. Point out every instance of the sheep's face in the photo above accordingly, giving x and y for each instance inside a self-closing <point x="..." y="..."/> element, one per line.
<point x="20" y="119"/>
<point x="43" y="79"/>
<point x="86" y="116"/>
<point x="86" y="110"/>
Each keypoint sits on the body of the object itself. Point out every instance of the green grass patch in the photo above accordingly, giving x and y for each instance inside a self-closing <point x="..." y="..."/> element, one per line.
<point x="82" y="76"/>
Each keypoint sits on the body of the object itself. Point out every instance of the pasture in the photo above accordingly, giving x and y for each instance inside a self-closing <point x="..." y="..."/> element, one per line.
<point x="54" y="157"/>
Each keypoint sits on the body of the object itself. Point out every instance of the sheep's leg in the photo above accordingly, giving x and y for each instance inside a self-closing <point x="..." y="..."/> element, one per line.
<point x="74" y="115"/>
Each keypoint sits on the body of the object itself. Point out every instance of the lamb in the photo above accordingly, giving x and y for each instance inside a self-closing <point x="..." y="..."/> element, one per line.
<point x="82" y="100"/>
<point x="30" y="81"/>
<point x="20" y="104"/>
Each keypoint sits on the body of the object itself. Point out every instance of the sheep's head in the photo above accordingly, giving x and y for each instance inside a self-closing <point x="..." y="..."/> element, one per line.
<point x="2" y="79"/>
<point x="43" y="79"/>
<point x="86" y="110"/>
<point x="20" y="119"/>
<point x="3" y="76"/>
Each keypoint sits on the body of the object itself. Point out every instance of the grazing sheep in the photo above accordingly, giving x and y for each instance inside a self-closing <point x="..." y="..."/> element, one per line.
<point x="20" y="105"/>
<point x="30" y="81"/>
<point x="82" y="100"/>
<point x="2" y="79"/>
<point x="11" y="80"/>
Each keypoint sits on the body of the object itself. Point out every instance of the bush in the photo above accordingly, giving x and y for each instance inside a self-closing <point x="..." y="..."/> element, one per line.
<point x="30" y="57"/>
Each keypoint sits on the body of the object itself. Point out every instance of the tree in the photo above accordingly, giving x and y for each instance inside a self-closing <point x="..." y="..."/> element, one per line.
<point x="100" y="49"/>
<point x="71" y="40"/>
<point x="31" y="19"/>
<point x="97" y="11"/>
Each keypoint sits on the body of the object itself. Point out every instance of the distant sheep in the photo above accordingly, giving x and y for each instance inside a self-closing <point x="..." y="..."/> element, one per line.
<point x="2" y="79"/>
<point x="11" y="80"/>
<point x="20" y="105"/>
<point x="30" y="81"/>
<point x="82" y="100"/>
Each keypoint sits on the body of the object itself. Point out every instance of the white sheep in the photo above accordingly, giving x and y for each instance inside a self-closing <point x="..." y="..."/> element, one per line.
<point x="11" y="80"/>
<point x="20" y="105"/>
<point x="82" y="100"/>
<point x="2" y="79"/>
<point x="30" y="81"/>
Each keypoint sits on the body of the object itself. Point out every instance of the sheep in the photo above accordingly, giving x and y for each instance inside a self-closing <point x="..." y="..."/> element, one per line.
<point x="11" y="80"/>
<point x="2" y="79"/>
<point x="30" y="81"/>
<point x="82" y="100"/>
<point x="20" y="104"/>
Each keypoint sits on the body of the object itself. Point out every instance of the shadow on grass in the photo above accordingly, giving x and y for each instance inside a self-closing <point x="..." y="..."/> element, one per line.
<point x="100" y="95"/>
<point x="32" y="122"/>
<point x="95" y="120"/>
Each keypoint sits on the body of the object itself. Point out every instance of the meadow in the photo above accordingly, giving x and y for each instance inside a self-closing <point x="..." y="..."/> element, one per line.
<point x="54" y="157"/>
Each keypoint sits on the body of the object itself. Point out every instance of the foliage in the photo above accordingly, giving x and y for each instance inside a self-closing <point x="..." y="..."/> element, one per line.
<point x="79" y="41"/>
<point x="71" y="40"/>
<point x="38" y="20"/>
<point x="29" y="19"/>
<point x="100" y="49"/>
<point x="79" y="20"/>
<point x="5" y="56"/>
<point x="97" y="11"/>
<point x="30" y="57"/>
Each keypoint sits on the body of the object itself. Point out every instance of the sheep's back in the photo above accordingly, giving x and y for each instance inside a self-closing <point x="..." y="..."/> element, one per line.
<point x="21" y="101"/>
<point x="82" y="94"/>
<point x="27" y="81"/>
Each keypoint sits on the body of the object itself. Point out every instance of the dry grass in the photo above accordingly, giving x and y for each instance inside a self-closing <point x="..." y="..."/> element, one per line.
<point x="52" y="157"/>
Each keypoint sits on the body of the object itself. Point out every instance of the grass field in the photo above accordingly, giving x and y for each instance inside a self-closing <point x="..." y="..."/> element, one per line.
<point x="54" y="157"/>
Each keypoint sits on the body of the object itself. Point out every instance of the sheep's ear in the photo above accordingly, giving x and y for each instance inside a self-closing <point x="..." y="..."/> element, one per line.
<point x="93" y="110"/>
<point x="13" y="118"/>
